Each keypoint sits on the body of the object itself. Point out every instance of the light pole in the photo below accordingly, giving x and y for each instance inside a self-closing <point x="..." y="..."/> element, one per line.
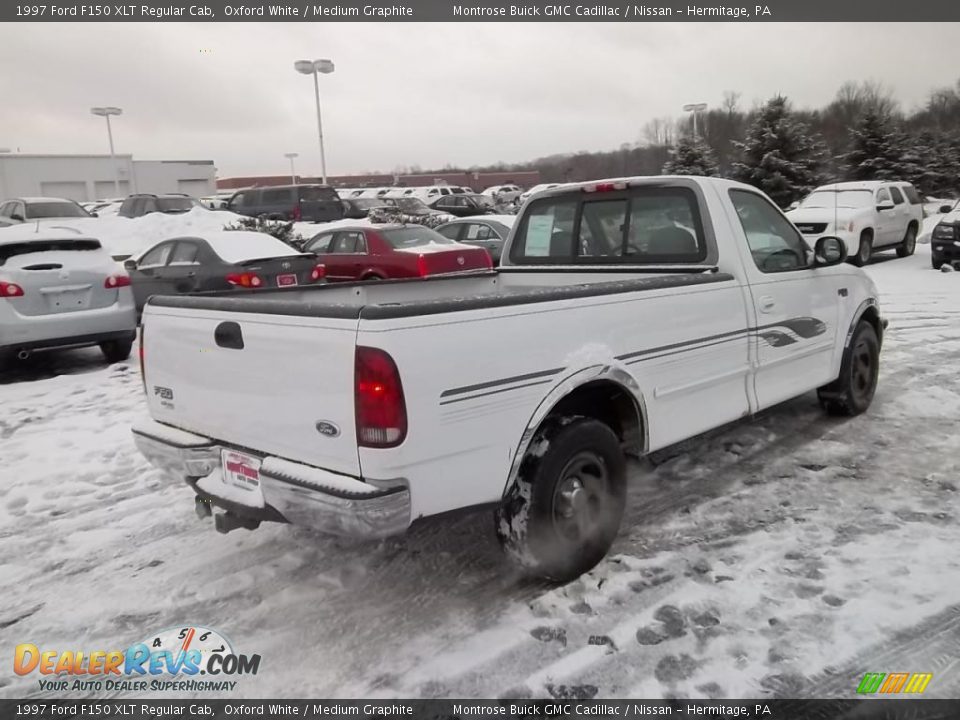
<point x="695" y="108"/>
<point x="315" y="67"/>
<point x="106" y="112"/>
<point x="293" y="173"/>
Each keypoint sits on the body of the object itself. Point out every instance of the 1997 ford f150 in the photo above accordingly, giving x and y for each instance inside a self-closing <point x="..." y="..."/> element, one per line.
<point x="627" y="315"/>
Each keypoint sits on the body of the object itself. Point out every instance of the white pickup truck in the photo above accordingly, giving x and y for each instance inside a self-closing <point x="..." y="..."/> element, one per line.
<point x="627" y="315"/>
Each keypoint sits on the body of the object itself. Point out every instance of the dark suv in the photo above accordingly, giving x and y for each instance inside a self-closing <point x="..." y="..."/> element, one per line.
<point x="145" y="203"/>
<point x="308" y="203"/>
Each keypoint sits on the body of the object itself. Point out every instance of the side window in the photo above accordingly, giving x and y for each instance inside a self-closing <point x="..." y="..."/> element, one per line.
<point x="912" y="195"/>
<point x="237" y="200"/>
<point x="184" y="253"/>
<point x="156" y="257"/>
<point x="776" y="245"/>
<point x="346" y="242"/>
<point x="897" y="196"/>
<point x="277" y="197"/>
<point x="452" y="231"/>
<point x="5" y="209"/>
<point x="883" y="196"/>
<point x="148" y="205"/>
<point x="319" y="244"/>
<point x="477" y="231"/>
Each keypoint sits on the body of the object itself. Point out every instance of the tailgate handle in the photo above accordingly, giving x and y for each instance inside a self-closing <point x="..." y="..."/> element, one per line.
<point x="228" y="335"/>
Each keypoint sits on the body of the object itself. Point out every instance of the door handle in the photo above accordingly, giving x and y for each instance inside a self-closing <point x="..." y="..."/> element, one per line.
<point x="767" y="304"/>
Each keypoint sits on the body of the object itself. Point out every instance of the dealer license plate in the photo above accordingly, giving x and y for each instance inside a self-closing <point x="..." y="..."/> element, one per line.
<point x="286" y="280"/>
<point x="242" y="471"/>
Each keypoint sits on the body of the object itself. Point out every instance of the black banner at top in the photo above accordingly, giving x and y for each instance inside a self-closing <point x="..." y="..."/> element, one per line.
<point x="560" y="708"/>
<point x="641" y="11"/>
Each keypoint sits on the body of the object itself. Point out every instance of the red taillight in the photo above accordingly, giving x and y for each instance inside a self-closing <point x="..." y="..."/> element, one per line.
<point x="381" y="411"/>
<point x="117" y="281"/>
<point x="10" y="289"/>
<point x="297" y="213"/>
<point x="319" y="272"/>
<point x="605" y="187"/>
<point x="422" y="270"/>
<point x="247" y="280"/>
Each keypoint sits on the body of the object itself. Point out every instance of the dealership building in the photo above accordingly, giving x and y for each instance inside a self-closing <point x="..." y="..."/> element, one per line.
<point x="92" y="177"/>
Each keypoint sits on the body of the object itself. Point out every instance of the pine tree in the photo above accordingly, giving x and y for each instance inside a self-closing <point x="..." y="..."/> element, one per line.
<point x="780" y="154"/>
<point x="877" y="150"/>
<point x="691" y="156"/>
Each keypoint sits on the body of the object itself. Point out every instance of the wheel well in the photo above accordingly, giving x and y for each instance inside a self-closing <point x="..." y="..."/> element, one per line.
<point x="913" y="224"/>
<point x="872" y="316"/>
<point x="868" y="232"/>
<point x="371" y="275"/>
<point x="611" y="404"/>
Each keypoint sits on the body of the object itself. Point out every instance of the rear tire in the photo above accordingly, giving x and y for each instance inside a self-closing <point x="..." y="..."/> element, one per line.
<point x="562" y="514"/>
<point x="936" y="262"/>
<point x="116" y="350"/>
<point x="852" y="392"/>
<point x="909" y="244"/>
<point x="864" y="250"/>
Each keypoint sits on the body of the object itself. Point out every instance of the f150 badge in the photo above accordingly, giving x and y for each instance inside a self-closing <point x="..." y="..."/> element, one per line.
<point x="165" y="395"/>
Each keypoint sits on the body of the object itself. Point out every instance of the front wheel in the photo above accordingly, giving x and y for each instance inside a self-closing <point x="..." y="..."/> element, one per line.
<point x="116" y="350"/>
<point x="562" y="514"/>
<point x="936" y="262"/>
<point x="909" y="244"/>
<point x="852" y="392"/>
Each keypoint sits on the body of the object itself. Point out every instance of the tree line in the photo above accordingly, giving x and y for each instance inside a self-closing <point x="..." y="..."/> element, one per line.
<point x="862" y="134"/>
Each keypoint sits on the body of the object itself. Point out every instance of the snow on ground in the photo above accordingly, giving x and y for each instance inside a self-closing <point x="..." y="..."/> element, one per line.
<point x="782" y="556"/>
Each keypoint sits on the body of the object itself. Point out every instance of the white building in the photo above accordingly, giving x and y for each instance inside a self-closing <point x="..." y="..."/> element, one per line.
<point x="91" y="177"/>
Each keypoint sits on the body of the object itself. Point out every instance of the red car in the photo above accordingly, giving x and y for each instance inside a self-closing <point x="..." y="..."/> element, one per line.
<point x="392" y="251"/>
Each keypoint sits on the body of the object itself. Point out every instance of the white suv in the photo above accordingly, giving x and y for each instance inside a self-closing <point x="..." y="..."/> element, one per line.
<point x="868" y="216"/>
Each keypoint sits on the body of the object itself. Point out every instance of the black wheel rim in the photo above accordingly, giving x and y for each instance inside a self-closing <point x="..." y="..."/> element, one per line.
<point x="863" y="372"/>
<point x="581" y="498"/>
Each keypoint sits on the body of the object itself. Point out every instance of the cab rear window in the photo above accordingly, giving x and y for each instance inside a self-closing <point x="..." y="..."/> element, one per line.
<point x="654" y="225"/>
<point x="38" y="246"/>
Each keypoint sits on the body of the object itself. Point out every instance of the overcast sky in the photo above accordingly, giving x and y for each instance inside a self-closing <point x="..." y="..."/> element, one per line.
<point x="423" y="94"/>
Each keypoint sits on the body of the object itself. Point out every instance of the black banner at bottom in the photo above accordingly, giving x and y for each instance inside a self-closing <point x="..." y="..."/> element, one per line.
<point x="125" y="709"/>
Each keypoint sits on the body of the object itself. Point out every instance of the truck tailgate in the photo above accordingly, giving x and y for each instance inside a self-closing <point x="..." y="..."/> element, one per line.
<point x="271" y="384"/>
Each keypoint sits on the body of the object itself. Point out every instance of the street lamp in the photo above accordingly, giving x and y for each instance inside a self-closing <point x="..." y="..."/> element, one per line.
<point x="694" y="108"/>
<point x="293" y="173"/>
<point x="314" y="67"/>
<point x="106" y="112"/>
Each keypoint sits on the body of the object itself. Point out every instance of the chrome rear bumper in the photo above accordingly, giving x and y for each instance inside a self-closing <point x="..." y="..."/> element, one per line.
<point x="300" y="494"/>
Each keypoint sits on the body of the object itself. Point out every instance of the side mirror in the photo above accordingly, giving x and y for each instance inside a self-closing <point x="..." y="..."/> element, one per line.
<point x="884" y="206"/>
<point x="829" y="251"/>
<point x="793" y="206"/>
<point x="130" y="264"/>
<point x="17" y="216"/>
<point x="946" y="208"/>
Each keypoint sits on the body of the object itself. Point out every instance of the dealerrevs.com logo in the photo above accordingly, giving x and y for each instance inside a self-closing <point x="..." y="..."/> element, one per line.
<point x="184" y="659"/>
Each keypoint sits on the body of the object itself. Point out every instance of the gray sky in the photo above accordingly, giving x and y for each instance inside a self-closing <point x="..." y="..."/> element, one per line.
<point x="423" y="93"/>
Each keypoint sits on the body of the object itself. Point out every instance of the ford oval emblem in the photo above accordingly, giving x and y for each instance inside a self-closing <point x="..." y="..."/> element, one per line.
<point x="328" y="429"/>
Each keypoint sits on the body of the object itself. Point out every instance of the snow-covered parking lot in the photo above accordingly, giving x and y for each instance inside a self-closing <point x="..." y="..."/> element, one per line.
<point x="783" y="556"/>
